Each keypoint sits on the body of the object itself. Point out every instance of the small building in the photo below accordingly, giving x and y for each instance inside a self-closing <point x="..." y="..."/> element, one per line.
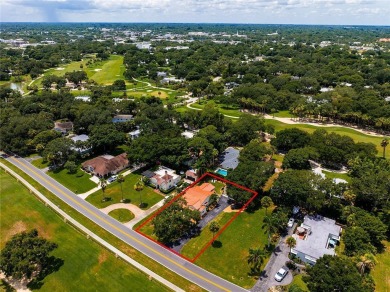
<point x="229" y="158"/>
<point x="188" y="134"/>
<point x="134" y="134"/>
<point x="161" y="74"/>
<point x="84" y="98"/>
<point x="105" y="165"/>
<point x="315" y="237"/>
<point x="81" y="149"/>
<point x="122" y="118"/>
<point x="198" y="197"/>
<point x="63" y="127"/>
<point x="191" y="175"/>
<point x="163" y="179"/>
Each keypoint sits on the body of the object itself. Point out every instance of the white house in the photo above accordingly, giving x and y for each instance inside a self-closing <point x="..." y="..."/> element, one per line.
<point x="134" y="134"/>
<point x="164" y="178"/>
<point x="316" y="237"/>
<point x="81" y="149"/>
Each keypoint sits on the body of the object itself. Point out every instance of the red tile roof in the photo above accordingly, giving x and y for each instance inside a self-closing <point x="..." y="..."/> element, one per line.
<point x="103" y="166"/>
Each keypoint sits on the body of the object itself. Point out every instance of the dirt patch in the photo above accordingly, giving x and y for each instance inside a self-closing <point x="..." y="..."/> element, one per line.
<point x="229" y="209"/>
<point x="18" y="227"/>
<point x="103" y="257"/>
<point x="278" y="164"/>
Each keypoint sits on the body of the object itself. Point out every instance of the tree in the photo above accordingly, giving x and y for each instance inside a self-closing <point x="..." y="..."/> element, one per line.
<point x="26" y="254"/>
<point x="121" y="179"/>
<point x="256" y="258"/>
<point x="139" y="186"/>
<point x="105" y="137"/>
<point x="329" y="274"/>
<point x="357" y="241"/>
<point x="214" y="227"/>
<point x="255" y="151"/>
<point x="103" y="186"/>
<point x="266" y="202"/>
<point x="290" y="139"/>
<point x="366" y="261"/>
<point x="384" y="144"/>
<point x="271" y="226"/>
<point x="291" y="242"/>
<point x="245" y="129"/>
<point x="71" y="166"/>
<point x="299" y="158"/>
<point x="119" y="85"/>
<point x="58" y="150"/>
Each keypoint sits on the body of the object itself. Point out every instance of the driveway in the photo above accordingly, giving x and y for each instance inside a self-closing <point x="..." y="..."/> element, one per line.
<point x="278" y="259"/>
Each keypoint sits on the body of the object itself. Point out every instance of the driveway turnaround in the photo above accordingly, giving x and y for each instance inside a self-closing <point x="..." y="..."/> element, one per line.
<point x="180" y="266"/>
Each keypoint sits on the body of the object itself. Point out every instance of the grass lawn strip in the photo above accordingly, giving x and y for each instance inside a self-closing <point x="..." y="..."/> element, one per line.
<point x="148" y="195"/>
<point x="128" y="250"/>
<point x="87" y="266"/>
<point x="381" y="272"/>
<point x="39" y="163"/>
<point x="122" y="215"/>
<point x="78" y="182"/>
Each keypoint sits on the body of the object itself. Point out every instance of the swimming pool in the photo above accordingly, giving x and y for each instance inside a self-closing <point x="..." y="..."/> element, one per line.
<point x="222" y="171"/>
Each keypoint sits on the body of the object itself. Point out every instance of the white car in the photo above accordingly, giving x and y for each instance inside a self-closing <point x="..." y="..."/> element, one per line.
<point x="290" y="223"/>
<point x="112" y="178"/>
<point x="281" y="274"/>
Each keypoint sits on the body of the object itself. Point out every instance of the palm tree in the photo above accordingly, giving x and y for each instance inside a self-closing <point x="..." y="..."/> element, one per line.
<point x="368" y="260"/>
<point x="139" y="186"/>
<point x="215" y="155"/>
<point x="384" y="144"/>
<point x="214" y="227"/>
<point x="121" y="179"/>
<point x="256" y="258"/>
<point x="291" y="242"/>
<point x="266" y="202"/>
<point x="271" y="225"/>
<point x="103" y="185"/>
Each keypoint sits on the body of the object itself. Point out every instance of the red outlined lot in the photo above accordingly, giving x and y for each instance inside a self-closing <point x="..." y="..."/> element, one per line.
<point x="203" y="177"/>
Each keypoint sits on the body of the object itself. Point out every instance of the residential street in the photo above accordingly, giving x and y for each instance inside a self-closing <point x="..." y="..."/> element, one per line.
<point x="168" y="259"/>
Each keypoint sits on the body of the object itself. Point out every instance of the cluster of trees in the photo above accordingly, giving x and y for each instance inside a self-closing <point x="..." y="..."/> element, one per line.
<point x="331" y="149"/>
<point x="175" y="221"/>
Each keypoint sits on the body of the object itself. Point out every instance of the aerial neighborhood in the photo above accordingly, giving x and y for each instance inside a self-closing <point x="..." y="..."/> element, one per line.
<point x="194" y="157"/>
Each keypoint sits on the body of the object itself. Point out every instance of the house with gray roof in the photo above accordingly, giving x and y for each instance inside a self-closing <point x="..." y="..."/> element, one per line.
<point x="229" y="158"/>
<point x="315" y="237"/>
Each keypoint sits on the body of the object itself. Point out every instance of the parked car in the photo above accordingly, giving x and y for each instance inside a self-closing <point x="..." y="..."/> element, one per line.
<point x="290" y="223"/>
<point x="281" y="274"/>
<point x="112" y="178"/>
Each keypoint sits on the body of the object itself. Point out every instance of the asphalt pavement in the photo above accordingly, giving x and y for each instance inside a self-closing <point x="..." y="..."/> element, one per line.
<point x="173" y="262"/>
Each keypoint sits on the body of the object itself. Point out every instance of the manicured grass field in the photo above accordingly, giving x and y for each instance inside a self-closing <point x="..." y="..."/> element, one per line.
<point x="133" y="253"/>
<point x="299" y="282"/>
<point x="332" y="175"/>
<point x="111" y="70"/>
<point x="122" y="215"/>
<point x="282" y="114"/>
<point x="39" y="163"/>
<point x="148" y="195"/>
<point x="78" y="182"/>
<point x="87" y="266"/>
<point x="381" y="272"/>
<point x="229" y="258"/>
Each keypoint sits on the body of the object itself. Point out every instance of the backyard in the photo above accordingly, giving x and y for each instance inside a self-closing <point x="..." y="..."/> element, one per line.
<point x="113" y="191"/>
<point x="21" y="211"/>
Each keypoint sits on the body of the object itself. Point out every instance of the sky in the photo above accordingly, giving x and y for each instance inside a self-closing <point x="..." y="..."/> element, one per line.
<point x="337" y="12"/>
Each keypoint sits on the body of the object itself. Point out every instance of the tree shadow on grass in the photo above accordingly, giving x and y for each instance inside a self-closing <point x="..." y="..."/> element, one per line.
<point x="53" y="265"/>
<point x="216" y="244"/>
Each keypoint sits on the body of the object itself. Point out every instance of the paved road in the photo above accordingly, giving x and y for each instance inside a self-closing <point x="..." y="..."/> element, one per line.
<point x="168" y="259"/>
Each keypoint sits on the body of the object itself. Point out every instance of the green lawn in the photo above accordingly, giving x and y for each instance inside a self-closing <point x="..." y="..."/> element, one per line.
<point x="229" y="261"/>
<point x="332" y="175"/>
<point x="39" y="163"/>
<point x="282" y="114"/>
<point x="113" y="240"/>
<point x="87" y="266"/>
<point x="299" y="282"/>
<point x="110" y="71"/>
<point x="78" y="183"/>
<point x="381" y="272"/>
<point x="122" y="215"/>
<point x="148" y="195"/>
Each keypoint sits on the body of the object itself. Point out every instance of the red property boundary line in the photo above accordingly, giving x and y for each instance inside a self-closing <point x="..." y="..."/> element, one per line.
<point x="205" y="175"/>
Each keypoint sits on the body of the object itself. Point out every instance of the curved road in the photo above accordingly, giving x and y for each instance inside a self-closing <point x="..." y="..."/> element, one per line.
<point x="168" y="259"/>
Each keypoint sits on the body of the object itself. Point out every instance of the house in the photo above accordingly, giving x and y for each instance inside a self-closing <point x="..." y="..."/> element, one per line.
<point x="188" y="134"/>
<point x="134" y="134"/>
<point x="163" y="179"/>
<point x="81" y="138"/>
<point x="106" y="164"/>
<point x="84" y="98"/>
<point x="316" y="237"/>
<point x="161" y="74"/>
<point x="191" y="175"/>
<point x="63" y="127"/>
<point x="198" y="197"/>
<point x="122" y="118"/>
<point x="229" y="158"/>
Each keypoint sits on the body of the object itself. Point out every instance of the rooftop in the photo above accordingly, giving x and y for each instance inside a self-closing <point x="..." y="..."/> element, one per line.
<point x="81" y="137"/>
<point x="318" y="230"/>
<point x="196" y="195"/>
<point x="229" y="158"/>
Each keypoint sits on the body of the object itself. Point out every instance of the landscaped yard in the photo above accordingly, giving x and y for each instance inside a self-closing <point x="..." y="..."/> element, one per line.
<point x="78" y="182"/>
<point x="332" y="175"/>
<point x="87" y="266"/>
<point x="148" y="195"/>
<point x="228" y="259"/>
<point x="299" y="282"/>
<point x="39" y="163"/>
<point x="381" y="272"/>
<point x="122" y="215"/>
